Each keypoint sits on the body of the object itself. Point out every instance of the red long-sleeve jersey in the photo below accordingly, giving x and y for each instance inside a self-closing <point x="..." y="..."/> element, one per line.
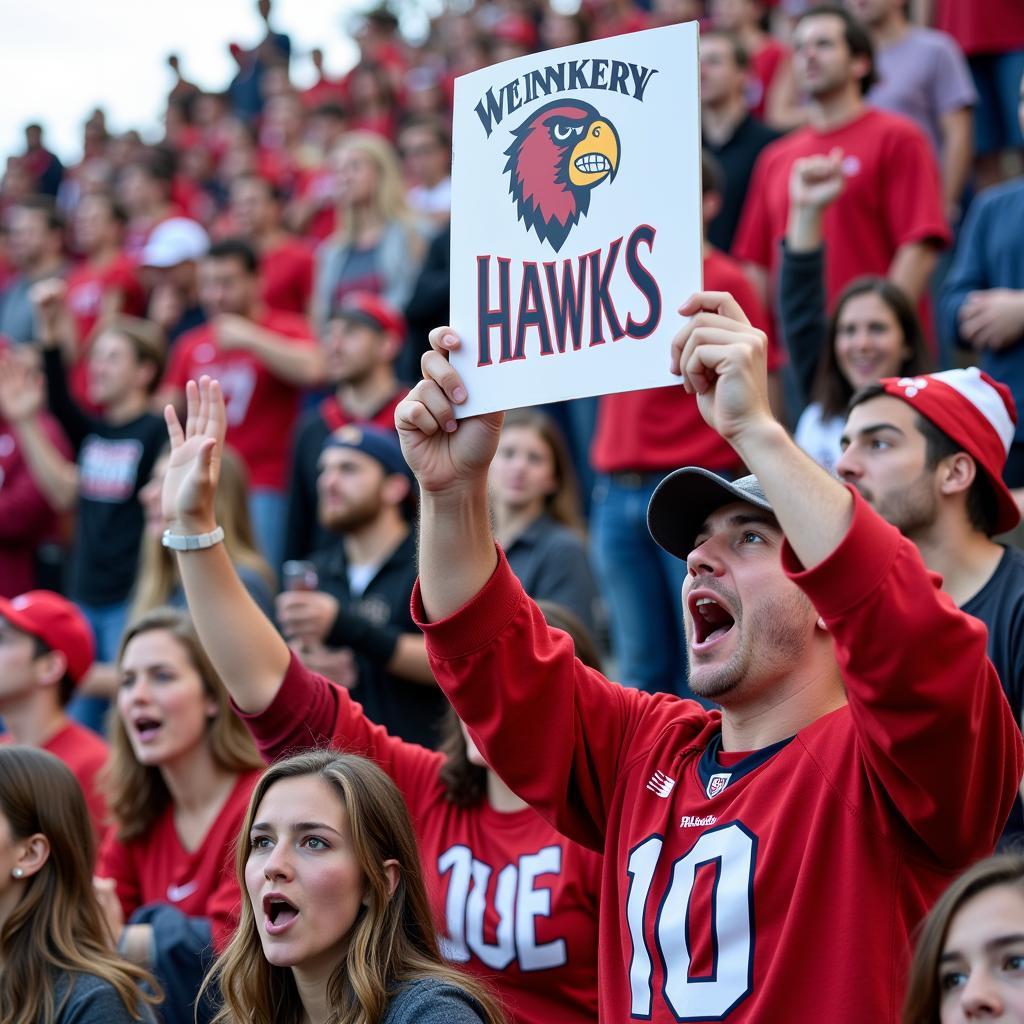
<point x="518" y="901"/>
<point x="783" y="887"/>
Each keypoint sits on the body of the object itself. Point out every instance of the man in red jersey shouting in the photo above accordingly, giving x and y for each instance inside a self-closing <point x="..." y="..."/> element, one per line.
<point x="769" y="861"/>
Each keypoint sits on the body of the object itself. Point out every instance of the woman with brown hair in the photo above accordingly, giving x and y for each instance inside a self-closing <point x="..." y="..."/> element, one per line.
<point x="969" y="960"/>
<point x="157" y="583"/>
<point x="179" y="777"/>
<point x="336" y="925"/>
<point x="517" y="902"/>
<point x="537" y="514"/>
<point x="56" y="965"/>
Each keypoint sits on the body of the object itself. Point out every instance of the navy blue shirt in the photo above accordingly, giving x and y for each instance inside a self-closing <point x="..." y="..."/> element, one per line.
<point x="1000" y="605"/>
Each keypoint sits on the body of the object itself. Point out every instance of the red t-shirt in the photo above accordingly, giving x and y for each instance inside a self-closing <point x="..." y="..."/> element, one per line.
<point x="261" y="408"/>
<point x="893" y="196"/>
<point x="764" y="65"/>
<point x="994" y="26"/>
<point x="516" y="903"/>
<point x="85" y="754"/>
<point x="662" y="429"/>
<point x="156" y="868"/>
<point x="286" y="277"/>
<point x="786" y="887"/>
<point x="26" y="517"/>
<point x="87" y="287"/>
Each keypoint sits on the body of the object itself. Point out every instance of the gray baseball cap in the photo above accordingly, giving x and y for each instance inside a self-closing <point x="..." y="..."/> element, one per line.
<point x="682" y="502"/>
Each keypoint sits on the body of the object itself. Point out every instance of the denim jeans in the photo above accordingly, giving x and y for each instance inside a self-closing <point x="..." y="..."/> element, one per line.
<point x="108" y="622"/>
<point x="642" y="585"/>
<point x="268" y="511"/>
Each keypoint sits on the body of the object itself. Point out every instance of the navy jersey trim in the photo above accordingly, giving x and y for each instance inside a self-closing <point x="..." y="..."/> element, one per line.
<point x="708" y="764"/>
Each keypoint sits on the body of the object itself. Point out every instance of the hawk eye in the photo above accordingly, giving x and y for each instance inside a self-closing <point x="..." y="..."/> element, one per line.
<point x="562" y="131"/>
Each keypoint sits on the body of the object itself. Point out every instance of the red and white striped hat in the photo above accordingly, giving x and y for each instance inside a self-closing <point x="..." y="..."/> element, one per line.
<point x="974" y="411"/>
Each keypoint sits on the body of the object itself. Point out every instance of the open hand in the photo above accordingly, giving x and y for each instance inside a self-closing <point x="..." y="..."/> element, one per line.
<point x="22" y="392"/>
<point x="444" y="454"/>
<point x="194" y="465"/>
<point x="723" y="361"/>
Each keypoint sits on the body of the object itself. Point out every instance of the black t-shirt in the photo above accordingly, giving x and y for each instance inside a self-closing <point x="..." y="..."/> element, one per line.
<point x="736" y="157"/>
<point x="114" y="462"/>
<point x="1000" y="605"/>
<point x="406" y="709"/>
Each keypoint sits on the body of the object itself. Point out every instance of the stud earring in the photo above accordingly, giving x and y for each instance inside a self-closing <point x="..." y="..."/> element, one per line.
<point x="18" y="873"/>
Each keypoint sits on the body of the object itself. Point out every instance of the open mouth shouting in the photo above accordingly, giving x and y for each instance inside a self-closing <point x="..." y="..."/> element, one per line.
<point x="279" y="913"/>
<point x="712" y="619"/>
<point x="146" y="728"/>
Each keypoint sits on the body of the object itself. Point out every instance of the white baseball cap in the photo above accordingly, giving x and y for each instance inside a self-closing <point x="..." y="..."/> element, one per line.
<point x="174" y="241"/>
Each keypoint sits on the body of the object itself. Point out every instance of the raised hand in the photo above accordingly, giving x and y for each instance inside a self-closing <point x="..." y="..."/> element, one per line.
<point x="723" y="360"/>
<point x="445" y="454"/>
<point x="817" y="181"/>
<point x="48" y="298"/>
<point x="194" y="465"/>
<point x="22" y="391"/>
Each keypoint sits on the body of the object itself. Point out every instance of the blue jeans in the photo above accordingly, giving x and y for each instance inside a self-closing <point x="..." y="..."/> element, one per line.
<point x="642" y="585"/>
<point x="108" y="622"/>
<point x="268" y="511"/>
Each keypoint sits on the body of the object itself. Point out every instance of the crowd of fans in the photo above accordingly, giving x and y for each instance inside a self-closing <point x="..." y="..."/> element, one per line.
<point x="208" y="525"/>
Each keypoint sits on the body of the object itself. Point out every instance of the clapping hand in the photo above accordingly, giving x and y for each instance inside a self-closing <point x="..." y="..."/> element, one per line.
<point x="22" y="393"/>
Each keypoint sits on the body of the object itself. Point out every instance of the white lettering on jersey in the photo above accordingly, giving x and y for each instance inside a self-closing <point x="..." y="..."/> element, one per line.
<point x="518" y="902"/>
<point x="695" y="821"/>
<point x="732" y="850"/>
<point x="108" y="468"/>
<point x="237" y="382"/>
<point x="661" y="784"/>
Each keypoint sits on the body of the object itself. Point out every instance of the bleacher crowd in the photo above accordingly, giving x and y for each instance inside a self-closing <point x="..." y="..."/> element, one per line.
<point x="301" y="708"/>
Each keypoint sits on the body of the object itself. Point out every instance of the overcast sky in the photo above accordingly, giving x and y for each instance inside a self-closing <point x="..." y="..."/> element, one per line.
<point x="61" y="60"/>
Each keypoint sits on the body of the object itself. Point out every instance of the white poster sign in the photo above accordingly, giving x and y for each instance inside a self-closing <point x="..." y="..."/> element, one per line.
<point x="576" y="218"/>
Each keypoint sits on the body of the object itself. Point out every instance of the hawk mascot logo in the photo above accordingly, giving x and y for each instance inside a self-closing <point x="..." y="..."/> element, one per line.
<point x="558" y="155"/>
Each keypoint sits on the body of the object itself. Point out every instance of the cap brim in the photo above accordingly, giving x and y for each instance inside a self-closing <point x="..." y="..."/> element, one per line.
<point x="16" y="619"/>
<point x="1009" y="513"/>
<point x="682" y="502"/>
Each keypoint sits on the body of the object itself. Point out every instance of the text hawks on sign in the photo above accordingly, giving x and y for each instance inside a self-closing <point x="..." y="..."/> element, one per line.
<point x="568" y="76"/>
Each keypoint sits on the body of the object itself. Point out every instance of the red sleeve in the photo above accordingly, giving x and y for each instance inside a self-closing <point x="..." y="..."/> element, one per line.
<point x="115" y="861"/>
<point x="310" y="711"/>
<point x="754" y="239"/>
<point x="912" y="190"/>
<point x="304" y="278"/>
<point x="932" y="723"/>
<point x="23" y="508"/>
<point x="506" y="670"/>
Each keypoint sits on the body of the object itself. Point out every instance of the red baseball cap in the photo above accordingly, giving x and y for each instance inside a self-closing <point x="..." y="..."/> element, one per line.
<point x="977" y="413"/>
<point x="372" y="310"/>
<point x="55" y="621"/>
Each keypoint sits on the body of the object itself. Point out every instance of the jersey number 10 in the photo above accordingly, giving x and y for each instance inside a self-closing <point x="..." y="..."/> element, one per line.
<point x="730" y="850"/>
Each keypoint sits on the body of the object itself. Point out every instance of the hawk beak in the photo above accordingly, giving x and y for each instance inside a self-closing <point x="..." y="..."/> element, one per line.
<point x="596" y="156"/>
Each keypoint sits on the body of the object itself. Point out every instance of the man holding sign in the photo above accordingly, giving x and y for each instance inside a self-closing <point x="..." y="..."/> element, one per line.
<point x="757" y="859"/>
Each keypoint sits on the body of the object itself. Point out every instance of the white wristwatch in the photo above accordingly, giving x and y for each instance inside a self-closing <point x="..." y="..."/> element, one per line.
<point x="192" y="541"/>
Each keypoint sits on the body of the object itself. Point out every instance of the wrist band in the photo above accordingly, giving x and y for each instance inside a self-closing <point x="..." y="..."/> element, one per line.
<point x="192" y="541"/>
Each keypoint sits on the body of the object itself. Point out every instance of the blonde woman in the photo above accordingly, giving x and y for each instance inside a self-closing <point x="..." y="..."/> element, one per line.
<point x="378" y="246"/>
<point x="336" y="925"/>
<point x="181" y="769"/>
<point x="56" y="966"/>
<point x="158" y="584"/>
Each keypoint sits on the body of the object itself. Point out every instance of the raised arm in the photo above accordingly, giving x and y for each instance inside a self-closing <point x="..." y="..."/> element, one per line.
<point x="243" y="645"/>
<point x="815" y="182"/>
<point x="722" y="359"/>
<point x="457" y="553"/>
<point x="21" y="404"/>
